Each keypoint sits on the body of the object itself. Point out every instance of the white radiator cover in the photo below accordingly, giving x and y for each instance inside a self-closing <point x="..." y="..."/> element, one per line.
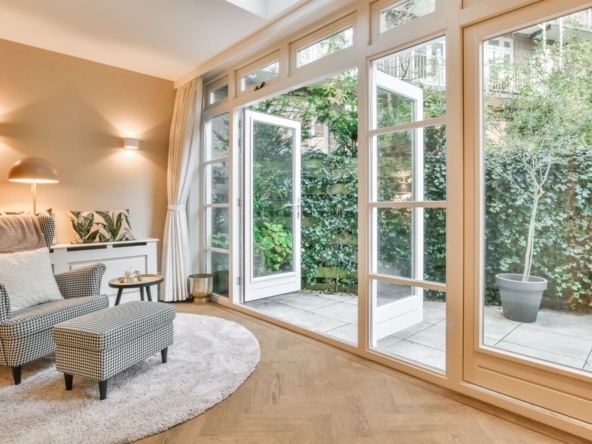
<point x="117" y="256"/>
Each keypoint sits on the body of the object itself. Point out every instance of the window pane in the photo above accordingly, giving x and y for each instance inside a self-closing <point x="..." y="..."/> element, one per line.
<point x="217" y="136"/>
<point x="388" y="292"/>
<point x="393" y="109"/>
<point x="330" y="45"/>
<point x="404" y="12"/>
<point x="403" y="176"/>
<point x="218" y="94"/>
<point x="411" y="85"/>
<point x="217" y="228"/>
<point x="537" y="116"/>
<point x="411" y="243"/>
<point x="217" y="264"/>
<point x="261" y="75"/>
<point x="273" y="243"/>
<point x="217" y="190"/>
<point x="410" y="323"/>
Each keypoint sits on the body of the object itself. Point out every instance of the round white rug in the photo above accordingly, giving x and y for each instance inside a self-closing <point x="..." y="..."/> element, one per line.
<point x="210" y="359"/>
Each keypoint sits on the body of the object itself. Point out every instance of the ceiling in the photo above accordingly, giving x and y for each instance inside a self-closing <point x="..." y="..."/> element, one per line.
<point x="163" y="38"/>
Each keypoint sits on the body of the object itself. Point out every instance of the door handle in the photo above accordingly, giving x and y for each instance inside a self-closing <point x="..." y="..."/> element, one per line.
<point x="296" y="205"/>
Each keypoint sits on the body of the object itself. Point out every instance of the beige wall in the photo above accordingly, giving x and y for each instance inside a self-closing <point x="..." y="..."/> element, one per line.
<point x="74" y="113"/>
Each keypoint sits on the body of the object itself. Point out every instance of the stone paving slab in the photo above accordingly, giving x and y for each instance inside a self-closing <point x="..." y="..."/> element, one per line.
<point x="561" y="337"/>
<point x="347" y="333"/>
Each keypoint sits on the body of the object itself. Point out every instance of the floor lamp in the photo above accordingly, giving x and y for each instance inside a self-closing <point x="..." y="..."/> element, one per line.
<point x="33" y="170"/>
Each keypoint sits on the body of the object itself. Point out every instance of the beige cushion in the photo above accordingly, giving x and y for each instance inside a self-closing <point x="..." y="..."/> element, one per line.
<point x="28" y="278"/>
<point x="48" y="212"/>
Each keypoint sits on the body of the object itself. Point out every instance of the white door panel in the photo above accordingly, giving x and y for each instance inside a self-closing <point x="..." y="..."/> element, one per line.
<point x="405" y="312"/>
<point x="271" y="144"/>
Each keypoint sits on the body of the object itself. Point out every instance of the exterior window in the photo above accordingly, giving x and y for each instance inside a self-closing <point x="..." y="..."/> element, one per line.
<point x="264" y="74"/>
<point x="404" y="12"/>
<point x="498" y="52"/>
<point x="335" y="43"/>
<point x="216" y="215"/>
<point x="219" y="93"/>
<point x="537" y="120"/>
<point x="217" y="137"/>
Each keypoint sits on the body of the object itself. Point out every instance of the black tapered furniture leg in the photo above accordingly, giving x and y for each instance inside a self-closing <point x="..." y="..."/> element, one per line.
<point x="68" y="378"/>
<point x="103" y="389"/>
<point x="142" y="293"/>
<point x="119" y="293"/>
<point x="163" y="354"/>
<point x="17" y="373"/>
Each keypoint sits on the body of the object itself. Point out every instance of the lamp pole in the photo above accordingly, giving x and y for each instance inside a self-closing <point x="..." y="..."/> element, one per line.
<point x="34" y="191"/>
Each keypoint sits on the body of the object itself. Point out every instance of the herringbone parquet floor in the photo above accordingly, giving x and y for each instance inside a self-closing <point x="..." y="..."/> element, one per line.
<point x="307" y="392"/>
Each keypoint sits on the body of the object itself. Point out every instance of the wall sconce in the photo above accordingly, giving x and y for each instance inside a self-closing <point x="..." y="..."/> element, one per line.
<point x="131" y="143"/>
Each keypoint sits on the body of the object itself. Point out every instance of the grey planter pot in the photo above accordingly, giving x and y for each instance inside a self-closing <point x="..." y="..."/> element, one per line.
<point x="521" y="300"/>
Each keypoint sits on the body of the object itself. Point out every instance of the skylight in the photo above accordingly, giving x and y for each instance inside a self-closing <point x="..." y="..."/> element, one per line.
<point x="264" y="8"/>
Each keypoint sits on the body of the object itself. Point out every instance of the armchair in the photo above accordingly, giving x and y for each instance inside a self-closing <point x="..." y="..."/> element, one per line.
<point x="26" y="335"/>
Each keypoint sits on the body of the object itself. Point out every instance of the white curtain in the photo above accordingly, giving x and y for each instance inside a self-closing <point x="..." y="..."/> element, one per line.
<point x="183" y="152"/>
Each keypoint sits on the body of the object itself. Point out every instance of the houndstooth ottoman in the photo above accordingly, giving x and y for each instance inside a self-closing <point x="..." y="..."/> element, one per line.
<point x="101" y="344"/>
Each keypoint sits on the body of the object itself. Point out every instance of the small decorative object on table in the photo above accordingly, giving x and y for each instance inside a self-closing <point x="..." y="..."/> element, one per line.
<point x="129" y="274"/>
<point x="144" y="283"/>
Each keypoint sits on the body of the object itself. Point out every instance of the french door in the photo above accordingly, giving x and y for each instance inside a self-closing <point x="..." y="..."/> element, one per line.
<point x="408" y="205"/>
<point x="405" y="309"/>
<point x="272" y="206"/>
<point x="524" y="120"/>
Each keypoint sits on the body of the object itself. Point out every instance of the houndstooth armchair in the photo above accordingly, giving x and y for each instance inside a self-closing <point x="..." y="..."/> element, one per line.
<point x="26" y="335"/>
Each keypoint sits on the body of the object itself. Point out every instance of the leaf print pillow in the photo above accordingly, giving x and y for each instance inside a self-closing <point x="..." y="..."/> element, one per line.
<point x="100" y="226"/>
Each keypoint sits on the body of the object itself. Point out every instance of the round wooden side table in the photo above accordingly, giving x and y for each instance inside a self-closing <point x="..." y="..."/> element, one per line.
<point x="147" y="281"/>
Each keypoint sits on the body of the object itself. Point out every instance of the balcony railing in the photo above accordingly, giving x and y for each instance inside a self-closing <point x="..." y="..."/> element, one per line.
<point x="582" y="18"/>
<point x="428" y="69"/>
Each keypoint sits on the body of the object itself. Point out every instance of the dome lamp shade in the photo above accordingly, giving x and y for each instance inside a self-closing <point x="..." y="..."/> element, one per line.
<point x="33" y="170"/>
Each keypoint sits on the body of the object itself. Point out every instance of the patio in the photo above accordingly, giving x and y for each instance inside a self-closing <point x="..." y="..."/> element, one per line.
<point x="558" y="337"/>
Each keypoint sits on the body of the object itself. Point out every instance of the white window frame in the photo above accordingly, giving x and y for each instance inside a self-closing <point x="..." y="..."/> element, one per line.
<point x="205" y="187"/>
<point x="255" y="66"/>
<point x="419" y="24"/>
<point x="213" y="86"/>
<point x="320" y="35"/>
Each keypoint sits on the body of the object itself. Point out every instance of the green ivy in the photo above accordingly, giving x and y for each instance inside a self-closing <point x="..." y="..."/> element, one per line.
<point x="330" y="220"/>
<point x="274" y="244"/>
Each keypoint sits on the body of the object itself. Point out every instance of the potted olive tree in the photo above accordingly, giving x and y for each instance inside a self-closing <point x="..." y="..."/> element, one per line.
<point x="531" y="128"/>
<point x="521" y="294"/>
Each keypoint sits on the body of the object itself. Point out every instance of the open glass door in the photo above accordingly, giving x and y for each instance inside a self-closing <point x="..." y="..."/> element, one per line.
<point x="272" y="211"/>
<point x="398" y="307"/>
<point x="408" y="205"/>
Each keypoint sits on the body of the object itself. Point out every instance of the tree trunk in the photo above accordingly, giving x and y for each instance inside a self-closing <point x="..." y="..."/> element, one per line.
<point x="530" y="244"/>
